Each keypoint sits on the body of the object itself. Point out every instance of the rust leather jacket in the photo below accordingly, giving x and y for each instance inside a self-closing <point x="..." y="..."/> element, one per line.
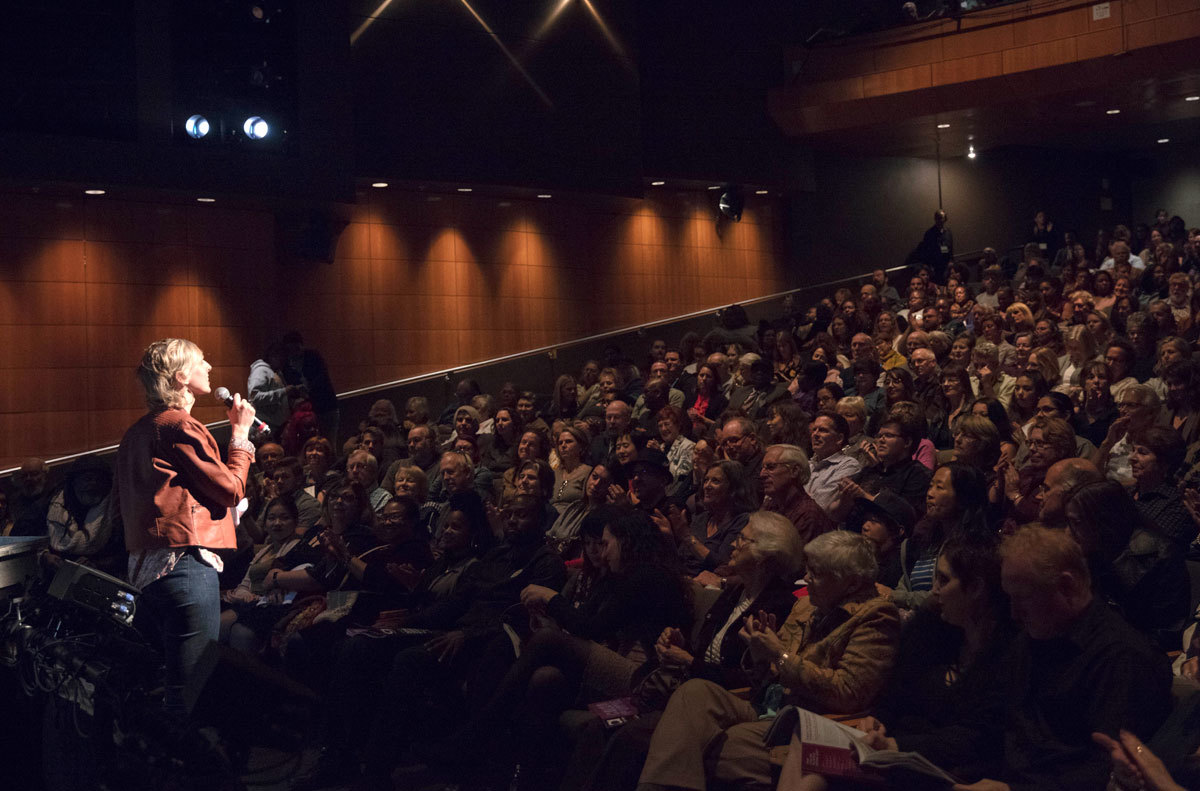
<point x="174" y="489"/>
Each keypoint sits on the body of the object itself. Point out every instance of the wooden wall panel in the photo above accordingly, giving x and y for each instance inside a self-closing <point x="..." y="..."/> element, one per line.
<point x="416" y="285"/>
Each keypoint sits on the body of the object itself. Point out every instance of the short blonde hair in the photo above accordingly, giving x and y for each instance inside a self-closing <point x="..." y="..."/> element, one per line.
<point x="418" y="475"/>
<point x="160" y="362"/>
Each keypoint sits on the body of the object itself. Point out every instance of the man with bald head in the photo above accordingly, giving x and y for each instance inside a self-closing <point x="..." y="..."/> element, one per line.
<point x="617" y="417"/>
<point x="1061" y="481"/>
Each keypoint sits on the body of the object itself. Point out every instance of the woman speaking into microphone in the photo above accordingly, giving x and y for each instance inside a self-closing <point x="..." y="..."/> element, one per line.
<point x="177" y="499"/>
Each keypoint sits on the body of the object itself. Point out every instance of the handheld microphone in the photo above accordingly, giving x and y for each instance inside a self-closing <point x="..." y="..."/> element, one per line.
<point x="222" y="394"/>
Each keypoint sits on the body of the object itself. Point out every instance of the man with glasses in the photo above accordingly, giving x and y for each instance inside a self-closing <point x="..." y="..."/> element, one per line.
<point x="783" y="475"/>
<point x="894" y="469"/>
<point x="739" y="442"/>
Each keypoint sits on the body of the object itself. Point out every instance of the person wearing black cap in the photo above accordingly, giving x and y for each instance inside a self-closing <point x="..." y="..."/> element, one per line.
<point x="648" y="476"/>
<point x="885" y="520"/>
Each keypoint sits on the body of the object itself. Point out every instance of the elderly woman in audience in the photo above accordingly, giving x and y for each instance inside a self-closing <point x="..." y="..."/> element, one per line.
<point x="955" y="504"/>
<point x="946" y="696"/>
<point x="765" y="560"/>
<point x="1133" y="564"/>
<point x="677" y="447"/>
<point x="824" y="662"/>
<point x="1154" y="460"/>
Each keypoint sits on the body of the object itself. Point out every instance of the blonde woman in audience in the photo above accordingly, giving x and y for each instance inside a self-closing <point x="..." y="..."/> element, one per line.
<point x="1138" y="407"/>
<point x="1081" y="348"/>
<point x="1019" y="317"/>
<point x="571" y="474"/>
<point x="1044" y="362"/>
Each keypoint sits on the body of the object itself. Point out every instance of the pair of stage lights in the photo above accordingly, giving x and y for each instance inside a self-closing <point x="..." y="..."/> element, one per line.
<point x="255" y="127"/>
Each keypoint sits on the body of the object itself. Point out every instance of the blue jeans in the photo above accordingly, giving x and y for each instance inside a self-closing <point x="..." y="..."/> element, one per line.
<point x="186" y="607"/>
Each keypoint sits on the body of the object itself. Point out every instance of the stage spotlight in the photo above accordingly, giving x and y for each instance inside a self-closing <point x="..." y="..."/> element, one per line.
<point x="197" y="126"/>
<point x="256" y="128"/>
<point x="732" y="203"/>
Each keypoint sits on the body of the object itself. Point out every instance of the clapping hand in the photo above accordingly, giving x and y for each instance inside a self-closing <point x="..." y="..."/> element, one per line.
<point x="759" y="633"/>
<point x="535" y="597"/>
<point x="670" y="648"/>
<point x="1134" y="765"/>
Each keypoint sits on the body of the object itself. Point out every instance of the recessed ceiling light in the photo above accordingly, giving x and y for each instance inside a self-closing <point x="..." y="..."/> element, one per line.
<point x="1191" y="98"/>
<point x="657" y="183"/>
<point x="943" y="126"/>
<point x="1164" y="140"/>
<point x="464" y="189"/>
<point x="206" y="200"/>
<point x="1112" y="112"/>
<point x="715" y="187"/>
<point x="93" y="192"/>
<point x="544" y="195"/>
<point x="760" y="192"/>
<point x="379" y="184"/>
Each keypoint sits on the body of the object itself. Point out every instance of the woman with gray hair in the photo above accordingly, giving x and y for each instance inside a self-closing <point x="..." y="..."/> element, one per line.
<point x="765" y="559"/>
<point x="832" y="655"/>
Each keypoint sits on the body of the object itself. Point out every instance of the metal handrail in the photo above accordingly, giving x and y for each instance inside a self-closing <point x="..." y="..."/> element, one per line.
<point x="550" y="349"/>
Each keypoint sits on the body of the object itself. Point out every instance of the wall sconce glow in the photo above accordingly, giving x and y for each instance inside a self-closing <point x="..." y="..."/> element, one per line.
<point x="1191" y="98"/>
<point x="1164" y="140"/>
<point x="206" y="200"/>
<point x="715" y="187"/>
<point x="379" y="184"/>
<point x="93" y="192"/>
<point x="545" y="196"/>
<point x="971" y="152"/>
<point x="256" y="128"/>
<point x="657" y="183"/>
<point x="943" y="126"/>
<point x="197" y="126"/>
<point x="1112" y="112"/>
<point x="760" y="192"/>
<point x="464" y="189"/>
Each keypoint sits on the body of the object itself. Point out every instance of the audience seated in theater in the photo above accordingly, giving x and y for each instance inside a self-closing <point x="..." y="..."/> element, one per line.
<point x="362" y="468"/>
<point x="832" y="655"/>
<point x="287" y="480"/>
<point x="501" y="452"/>
<point x="829" y="464"/>
<point x="724" y="503"/>
<point x="1079" y="668"/>
<point x="464" y="391"/>
<point x="1139" y="409"/>
<point x="1154" y="459"/>
<point x="617" y="419"/>
<point x="564" y="535"/>
<point x="886" y="520"/>
<point x="955" y="504"/>
<point x="678" y="448"/>
<point x="1133" y="564"/>
<point x="765" y="560"/>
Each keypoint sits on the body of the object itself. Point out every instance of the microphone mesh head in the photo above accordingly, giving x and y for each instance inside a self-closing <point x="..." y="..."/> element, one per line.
<point x="222" y="394"/>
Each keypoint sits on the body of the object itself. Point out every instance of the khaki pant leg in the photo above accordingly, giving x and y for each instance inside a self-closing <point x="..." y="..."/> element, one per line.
<point x="742" y="761"/>
<point x="697" y="713"/>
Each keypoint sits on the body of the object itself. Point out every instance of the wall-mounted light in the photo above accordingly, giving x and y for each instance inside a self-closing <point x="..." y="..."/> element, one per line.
<point x="93" y="192"/>
<point x="760" y="192"/>
<point x="545" y="196"/>
<point x="1114" y="111"/>
<point x="943" y="126"/>
<point x="971" y="152"/>
<point x="1164" y="140"/>
<point x="465" y="189"/>
<point x="197" y="126"/>
<point x="379" y="184"/>
<point x="206" y="200"/>
<point x="657" y="183"/>
<point x="256" y="128"/>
